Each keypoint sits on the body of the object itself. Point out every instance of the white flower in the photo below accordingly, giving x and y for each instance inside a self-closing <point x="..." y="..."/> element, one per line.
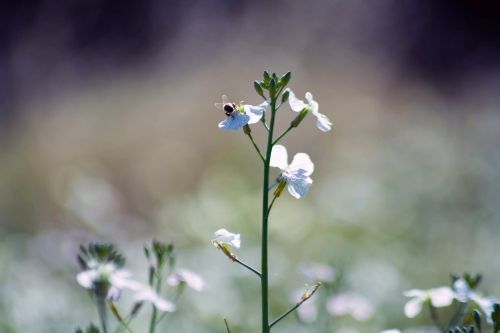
<point x="464" y="294"/>
<point x="391" y="331"/>
<point x="297" y="105"/>
<point x="227" y="238"/>
<point x="350" y="303"/>
<point x="317" y="272"/>
<point x="184" y="276"/>
<point x="118" y="279"/>
<point x="297" y="173"/>
<point x="438" y="297"/>
<point x="239" y="115"/>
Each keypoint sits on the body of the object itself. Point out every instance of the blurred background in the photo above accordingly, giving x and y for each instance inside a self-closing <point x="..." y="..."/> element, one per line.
<point x="108" y="132"/>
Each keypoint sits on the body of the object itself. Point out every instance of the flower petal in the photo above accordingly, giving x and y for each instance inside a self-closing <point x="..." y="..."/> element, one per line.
<point x="322" y="122"/>
<point x="415" y="293"/>
<point x="413" y="307"/>
<point x="296" y="104"/>
<point x="441" y="297"/>
<point x="86" y="278"/>
<point x="302" y="161"/>
<point x="235" y="121"/>
<point x="279" y="157"/>
<point x="150" y="296"/>
<point x="299" y="186"/>
<point x="312" y="103"/>
<point x="184" y="276"/>
<point x="226" y="237"/>
<point x="255" y="112"/>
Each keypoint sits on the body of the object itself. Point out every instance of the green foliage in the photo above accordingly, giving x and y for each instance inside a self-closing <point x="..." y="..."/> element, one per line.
<point x="98" y="253"/>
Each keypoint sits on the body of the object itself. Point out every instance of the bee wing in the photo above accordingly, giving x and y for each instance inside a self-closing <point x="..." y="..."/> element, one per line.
<point x="225" y="100"/>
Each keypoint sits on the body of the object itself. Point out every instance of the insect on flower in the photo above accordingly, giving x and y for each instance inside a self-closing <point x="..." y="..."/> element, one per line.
<point x="239" y="115"/>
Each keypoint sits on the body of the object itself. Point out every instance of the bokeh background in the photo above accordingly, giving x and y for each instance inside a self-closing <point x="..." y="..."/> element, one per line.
<point x="108" y="132"/>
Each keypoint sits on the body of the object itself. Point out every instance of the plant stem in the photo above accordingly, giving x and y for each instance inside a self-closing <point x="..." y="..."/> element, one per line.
<point x="435" y="317"/>
<point x="154" y="314"/>
<point x="256" y="147"/>
<point x="282" y="135"/>
<point x="247" y="267"/>
<point x="227" y="326"/>
<point x="265" y="204"/>
<point x="101" y="308"/>
<point x="271" y="206"/>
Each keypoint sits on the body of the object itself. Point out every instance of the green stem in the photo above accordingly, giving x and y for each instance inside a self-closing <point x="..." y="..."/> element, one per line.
<point x="248" y="267"/>
<point x="435" y="317"/>
<point x="265" y="204"/>
<point x="256" y="147"/>
<point x="282" y="135"/>
<point x="286" y="313"/>
<point x="101" y="308"/>
<point x="307" y="295"/>
<point x="227" y="326"/>
<point x="271" y="206"/>
<point x="154" y="314"/>
<point x="263" y="121"/>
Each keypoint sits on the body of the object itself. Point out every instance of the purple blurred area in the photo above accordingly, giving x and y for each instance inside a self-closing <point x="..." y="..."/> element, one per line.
<point x="47" y="44"/>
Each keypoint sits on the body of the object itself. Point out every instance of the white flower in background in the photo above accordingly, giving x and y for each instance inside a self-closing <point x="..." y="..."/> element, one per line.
<point x="438" y="297"/>
<point x="226" y="238"/>
<point x="317" y="272"/>
<point x="349" y="303"/>
<point x="464" y="294"/>
<point x="297" y="173"/>
<point x="115" y="280"/>
<point x="239" y="115"/>
<point x="391" y="331"/>
<point x="297" y="105"/>
<point x="183" y="276"/>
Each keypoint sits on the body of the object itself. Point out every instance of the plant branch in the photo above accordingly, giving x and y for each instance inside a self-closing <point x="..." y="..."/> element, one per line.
<point x="248" y="267"/>
<point x="282" y="135"/>
<point x="435" y="317"/>
<point x="305" y="297"/>
<point x="256" y="147"/>
<point x="227" y="326"/>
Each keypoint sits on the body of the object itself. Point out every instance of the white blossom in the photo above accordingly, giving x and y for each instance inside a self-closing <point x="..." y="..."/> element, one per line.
<point x="191" y="279"/>
<point x="317" y="272"/>
<point x="464" y="294"/>
<point x="297" y="173"/>
<point x="297" y="105"/>
<point x="438" y="297"/>
<point x="118" y="279"/>
<point x="350" y="303"/>
<point x="224" y="237"/>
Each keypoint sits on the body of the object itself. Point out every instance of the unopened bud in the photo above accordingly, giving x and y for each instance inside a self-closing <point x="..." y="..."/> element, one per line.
<point x="258" y="88"/>
<point x="296" y="122"/>
<point x="285" y="79"/>
<point x="247" y="130"/>
<point x="308" y="293"/>
<point x="285" y="95"/>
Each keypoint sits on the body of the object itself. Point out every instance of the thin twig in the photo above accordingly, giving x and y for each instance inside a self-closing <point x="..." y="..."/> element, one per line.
<point x="227" y="326"/>
<point x="305" y="297"/>
<point x="282" y="135"/>
<point x="256" y="147"/>
<point x="248" y="267"/>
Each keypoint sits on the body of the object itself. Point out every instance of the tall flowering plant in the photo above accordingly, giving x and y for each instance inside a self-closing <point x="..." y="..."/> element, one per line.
<point x="295" y="176"/>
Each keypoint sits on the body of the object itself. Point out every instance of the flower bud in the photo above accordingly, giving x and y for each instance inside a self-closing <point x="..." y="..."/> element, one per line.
<point x="285" y="79"/>
<point x="258" y="88"/>
<point x="247" y="130"/>
<point x="285" y="96"/>
<point x="296" y="122"/>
